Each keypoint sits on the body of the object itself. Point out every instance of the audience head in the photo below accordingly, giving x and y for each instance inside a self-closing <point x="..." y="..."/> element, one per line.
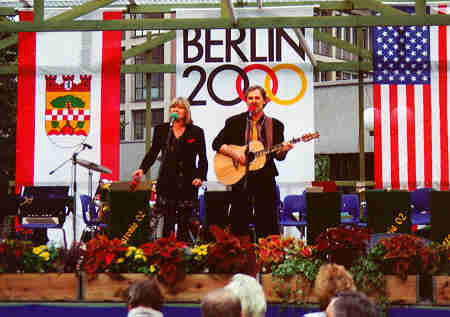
<point x="250" y="293"/>
<point x="330" y="280"/>
<point x="351" y="304"/>
<point x="145" y="293"/>
<point x="221" y="303"/>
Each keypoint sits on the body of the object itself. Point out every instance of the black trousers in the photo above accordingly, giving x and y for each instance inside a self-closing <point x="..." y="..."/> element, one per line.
<point x="260" y="195"/>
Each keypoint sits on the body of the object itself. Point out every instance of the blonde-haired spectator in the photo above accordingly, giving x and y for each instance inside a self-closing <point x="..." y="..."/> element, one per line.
<point x="250" y="293"/>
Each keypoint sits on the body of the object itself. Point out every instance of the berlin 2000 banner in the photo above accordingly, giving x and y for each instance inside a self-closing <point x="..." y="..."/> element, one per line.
<point x="214" y="67"/>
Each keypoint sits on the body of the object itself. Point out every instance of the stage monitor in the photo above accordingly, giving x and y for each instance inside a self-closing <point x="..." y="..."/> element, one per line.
<point x="440" y="211"/>
<point x="388" y="211"/>
<point x="217" y="204"/>
<point x="323" y="210"/>
<point x="129" y="216"/>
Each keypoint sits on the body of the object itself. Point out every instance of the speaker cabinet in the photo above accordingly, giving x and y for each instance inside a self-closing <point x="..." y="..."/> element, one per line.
<point x="129" y="220"/>
<point x="388" y="211"/>
<point x="440" y="213"/>
<point x="217" y="204"/>
<point x="322" y="212"/>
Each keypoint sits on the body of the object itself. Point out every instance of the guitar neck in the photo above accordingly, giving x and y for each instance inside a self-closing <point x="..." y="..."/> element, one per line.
<point x="275" y="148"/>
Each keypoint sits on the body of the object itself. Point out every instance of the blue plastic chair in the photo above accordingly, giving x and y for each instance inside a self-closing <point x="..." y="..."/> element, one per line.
<point x="420" y="203"/>
<point x="292" y="204"/>
<point x="202" y="209"/>
<point x="350" y="206"/>
<point x="90" y="215"/>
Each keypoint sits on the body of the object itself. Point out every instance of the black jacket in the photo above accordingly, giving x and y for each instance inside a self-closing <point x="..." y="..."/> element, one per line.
<point x="192" y="144"/>
<point x="234" y="133"/>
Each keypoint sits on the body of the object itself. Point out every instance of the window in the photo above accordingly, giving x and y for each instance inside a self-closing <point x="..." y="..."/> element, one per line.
<point x="142" y="33"/>
<point x="157" y="78"/>
<point x="139" y="122"/>
<point x="123" y="124"/>
<point x="122" y="88"/>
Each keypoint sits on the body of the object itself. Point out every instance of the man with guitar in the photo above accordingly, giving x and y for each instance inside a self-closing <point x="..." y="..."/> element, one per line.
<point x="254" y="186"/>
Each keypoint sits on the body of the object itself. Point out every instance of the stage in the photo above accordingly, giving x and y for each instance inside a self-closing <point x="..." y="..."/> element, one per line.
<point x="75" y="309"/>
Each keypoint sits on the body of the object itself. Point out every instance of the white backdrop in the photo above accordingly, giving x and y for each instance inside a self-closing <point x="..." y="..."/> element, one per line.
<point x="200" y="52"/>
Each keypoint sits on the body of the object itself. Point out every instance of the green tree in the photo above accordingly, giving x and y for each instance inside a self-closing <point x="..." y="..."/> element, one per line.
<point x="8" y="104"/>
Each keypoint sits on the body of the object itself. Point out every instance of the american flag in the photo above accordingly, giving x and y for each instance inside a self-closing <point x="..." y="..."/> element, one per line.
<point x="410" y="98"/>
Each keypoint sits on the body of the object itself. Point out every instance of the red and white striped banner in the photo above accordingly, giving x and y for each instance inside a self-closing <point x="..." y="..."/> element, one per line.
<point x="411" y="123"/>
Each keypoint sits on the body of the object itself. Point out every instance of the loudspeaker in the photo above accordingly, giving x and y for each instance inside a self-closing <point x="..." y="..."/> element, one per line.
<point x="388" y="211"/>
<point x="323" y="210"/>
<point x="440" y="212"/>
<point x="217" y="206"/>
<point x="129" y="217"/>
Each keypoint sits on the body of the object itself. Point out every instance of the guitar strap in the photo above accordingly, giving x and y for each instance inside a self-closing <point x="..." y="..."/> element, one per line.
<point x="268" y="125"/>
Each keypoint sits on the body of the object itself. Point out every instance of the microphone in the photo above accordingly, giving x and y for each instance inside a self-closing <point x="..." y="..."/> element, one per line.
<point x="173" y="116"/>
<point x="87" y="145"/>
<point x="251" y="111"/>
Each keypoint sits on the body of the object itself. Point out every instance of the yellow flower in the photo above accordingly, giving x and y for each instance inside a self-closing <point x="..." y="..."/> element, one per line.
<point x="45" y="255"/>
<point x="139" y="251"/>
<point x="120" y="260"/>
<point x="39" y="249"/>
<point x="130" y="251"/>
<point x="140" y="256"/>
<point x="152" y="268"/>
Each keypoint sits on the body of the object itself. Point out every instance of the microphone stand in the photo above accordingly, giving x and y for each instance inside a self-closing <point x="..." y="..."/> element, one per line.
<point x="247" y="164"/>
<point x="73" y="158"/>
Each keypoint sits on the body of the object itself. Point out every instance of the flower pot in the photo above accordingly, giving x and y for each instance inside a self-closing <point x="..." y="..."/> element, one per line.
<point x="292" y="289"/>
<point x="114" y="288"/>
<point x="39" y="287"/>
<point x="441" y="290"/>
<point x="400" y="291"/>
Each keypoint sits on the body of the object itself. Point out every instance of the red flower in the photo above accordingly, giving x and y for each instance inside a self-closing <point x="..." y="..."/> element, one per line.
<point x="191" y="141"/>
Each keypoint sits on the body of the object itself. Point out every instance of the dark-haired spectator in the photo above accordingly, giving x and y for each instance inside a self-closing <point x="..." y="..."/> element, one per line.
<point x="221" y="303"/>
<point x="331" y="279"/>
<point x="145" y="299"/>
<point x="351" y="304"/>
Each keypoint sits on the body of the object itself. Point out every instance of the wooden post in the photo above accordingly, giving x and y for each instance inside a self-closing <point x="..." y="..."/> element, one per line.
<point x="362" y="159"/>
<point x="148" y="99"/>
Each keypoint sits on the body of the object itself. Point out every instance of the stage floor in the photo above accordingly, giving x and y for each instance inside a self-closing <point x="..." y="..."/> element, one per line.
<point x="76" y="309"/>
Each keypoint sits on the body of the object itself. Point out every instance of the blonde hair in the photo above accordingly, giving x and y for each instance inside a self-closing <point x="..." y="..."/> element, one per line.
<point x="330" y="280"/>
<point x="185" y="103"/>
<point x="251" y="294"/>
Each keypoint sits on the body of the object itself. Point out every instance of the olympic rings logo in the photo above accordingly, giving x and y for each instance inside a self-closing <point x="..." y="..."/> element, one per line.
<point x="271" y="77"/>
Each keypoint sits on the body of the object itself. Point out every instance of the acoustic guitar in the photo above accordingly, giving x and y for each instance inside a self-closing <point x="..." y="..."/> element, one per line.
<point x="229" y="171"/>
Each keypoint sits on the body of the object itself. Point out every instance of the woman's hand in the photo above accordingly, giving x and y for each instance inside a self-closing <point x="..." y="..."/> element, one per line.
<point x="138" y="174"/>
<point x="197" y="182"/>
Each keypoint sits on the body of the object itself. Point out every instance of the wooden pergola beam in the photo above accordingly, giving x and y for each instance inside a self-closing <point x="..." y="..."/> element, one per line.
<point x="171" y="68"/>
<point x="221" y="23"/>
<point x="376" y="5"/>
<point x="345" y="45"/>
<point x="148" y="45"/>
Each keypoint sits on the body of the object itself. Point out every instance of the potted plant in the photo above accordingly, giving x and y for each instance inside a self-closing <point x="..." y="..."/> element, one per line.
<point x="401" y="258"/>
<point x="343" y="244"/>
<point x="293" y="267"/>
<point x="230" y="254"/>
<point x="440" y="271"/>
<point x="40" y="271"/>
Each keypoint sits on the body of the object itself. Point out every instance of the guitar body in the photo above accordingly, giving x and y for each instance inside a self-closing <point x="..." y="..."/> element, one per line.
<point x="229" y="171"/>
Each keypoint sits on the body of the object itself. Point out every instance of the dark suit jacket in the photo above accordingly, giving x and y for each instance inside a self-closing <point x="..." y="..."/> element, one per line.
<point x="193" y="145"/>
<point x="234" y="133"/>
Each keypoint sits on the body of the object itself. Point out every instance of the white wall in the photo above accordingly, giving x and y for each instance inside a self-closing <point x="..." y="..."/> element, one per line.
<point x="336" y="117"/>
